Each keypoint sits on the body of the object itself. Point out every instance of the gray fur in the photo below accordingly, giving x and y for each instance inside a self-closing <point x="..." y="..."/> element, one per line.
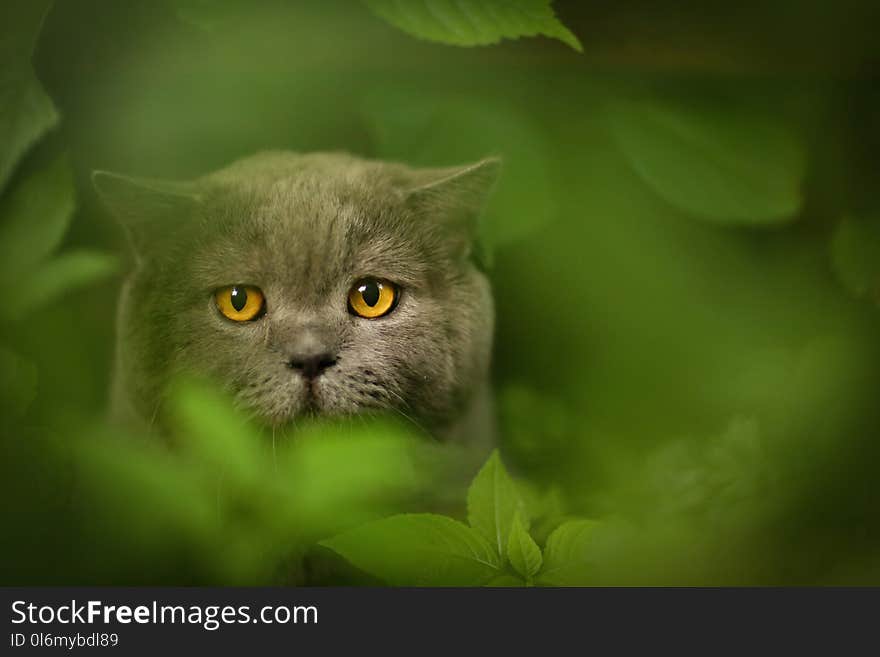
<point x="304" y="228"/>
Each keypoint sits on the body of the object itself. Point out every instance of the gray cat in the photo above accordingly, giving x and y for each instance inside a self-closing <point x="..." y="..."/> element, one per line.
<point x="319" y="284"/>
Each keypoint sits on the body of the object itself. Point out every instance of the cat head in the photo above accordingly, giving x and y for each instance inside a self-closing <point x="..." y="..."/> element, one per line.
<point x="318" y="283"/>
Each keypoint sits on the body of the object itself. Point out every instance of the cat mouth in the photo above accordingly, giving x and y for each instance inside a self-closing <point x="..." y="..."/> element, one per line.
<point x="311" y="403"/>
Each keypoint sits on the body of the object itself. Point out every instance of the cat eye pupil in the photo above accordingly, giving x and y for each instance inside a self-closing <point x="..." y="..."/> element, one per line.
<point x="238" y="298"/>
<point x="370" y="293"/>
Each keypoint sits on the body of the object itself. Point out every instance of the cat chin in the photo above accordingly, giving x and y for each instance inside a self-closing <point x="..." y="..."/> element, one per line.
<point x="310" y="402"/>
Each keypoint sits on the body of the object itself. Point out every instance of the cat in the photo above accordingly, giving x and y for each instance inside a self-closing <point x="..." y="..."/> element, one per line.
<point x="309" y="284"/>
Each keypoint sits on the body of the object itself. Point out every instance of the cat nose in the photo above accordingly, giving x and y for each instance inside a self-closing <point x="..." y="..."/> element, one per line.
<point x="311" y="365"/>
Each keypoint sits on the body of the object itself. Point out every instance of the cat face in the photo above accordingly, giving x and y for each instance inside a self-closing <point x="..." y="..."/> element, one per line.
<point x="319" y="284"/>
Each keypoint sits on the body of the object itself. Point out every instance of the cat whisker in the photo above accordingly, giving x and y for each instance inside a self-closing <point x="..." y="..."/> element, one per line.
<point x="404" y="415"/>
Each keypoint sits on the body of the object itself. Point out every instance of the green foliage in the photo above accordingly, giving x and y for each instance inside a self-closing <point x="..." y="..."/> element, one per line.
<point x="855" y="256"/>
<point x="474" y="22"/>
<point x="250" y="500"/>
<point x="35" y="216"/>
<point x="719" y="160"/>
<point x="419" y="550"/>
<point x="493" y="503"/>
<point x="432" y="550"/>
<point x="26" y="112"/>
<point x="565" y="556"/>
<point x="709" y="394"/>
<point x="522" y="551"/>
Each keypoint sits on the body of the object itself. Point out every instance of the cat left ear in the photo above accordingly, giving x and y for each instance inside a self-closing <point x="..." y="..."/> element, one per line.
<point x="144" y="206"/>
<point x="455" y="195"/>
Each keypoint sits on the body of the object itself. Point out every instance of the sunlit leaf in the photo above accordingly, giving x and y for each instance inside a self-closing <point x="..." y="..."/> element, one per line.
<point x="493" y="501"/>
<point x="522" y="551"/>
<point x="474" y="22"/>
<point x="419" y="550"/>
<point x="717" y="161"/>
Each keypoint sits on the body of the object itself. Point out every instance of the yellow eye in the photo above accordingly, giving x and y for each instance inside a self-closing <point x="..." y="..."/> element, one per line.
<point x="240" y="303"/>
<point x="372" y="298"/>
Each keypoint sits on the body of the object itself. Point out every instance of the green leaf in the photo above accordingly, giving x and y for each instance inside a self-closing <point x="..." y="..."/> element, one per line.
<point x="565" y="555"/>
<point x="59" y="276"/>
<point x="474" y="22"/>
<point x="34" y="217"/>
<point x="493" y="501"/>
<point x="855" y="256"/>
<point x="211" y="432"/>
<point x="26" y="112"/>
<point x="523" y="552"/>
<point x="720" y="162"/>
<point x="419" y="550"/>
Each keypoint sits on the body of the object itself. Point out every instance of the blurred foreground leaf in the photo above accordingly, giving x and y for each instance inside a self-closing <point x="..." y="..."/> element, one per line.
<point x="26" y="112"/>
<point x="855" y="256"/>
<point x="419" y="550"/>
<point x="718" y="161"/>
<point x="249" y="501"/>
<point x="474" y="22"/>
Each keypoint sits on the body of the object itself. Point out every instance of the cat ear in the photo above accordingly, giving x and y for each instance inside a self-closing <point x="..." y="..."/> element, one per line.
<point x="454" y="195"/>
<point x="144" y="206"/>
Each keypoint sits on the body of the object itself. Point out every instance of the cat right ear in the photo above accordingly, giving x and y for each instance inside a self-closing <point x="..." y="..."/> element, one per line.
<point x="145" y="207"/>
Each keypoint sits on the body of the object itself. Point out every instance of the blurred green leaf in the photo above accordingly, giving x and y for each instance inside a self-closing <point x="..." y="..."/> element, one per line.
<point x="60" y="275"/>
<point x="718" y="161"/>
<point x="419" y="550"/>
<point x="474" y="22"/>
<point x="18" y="381"/>
<point x="156" y="493"/>
<point x="26" y="112"/>
<point x="211" y="432"/>
<point x="522" y="551"/>
<point x="493" y="502"/>
<point x="855" y="256"/>
<point x="345" y="475"/>
<point x="565" y="555"/>
<point x="34" y="217"/>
